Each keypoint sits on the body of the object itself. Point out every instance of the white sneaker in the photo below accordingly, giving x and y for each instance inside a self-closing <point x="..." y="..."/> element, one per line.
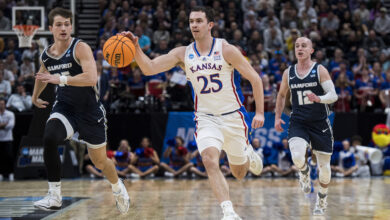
<point x="134" y="175"/>
<point x="321" y="204"/>
<point x="11" y="177"/>
<point x="52" y="201"/>
<point x="168" y="174"/>
<point x="304" y="181"/>
<point x="255" y="162"/>
<point x="231" y="216"/>
<point x="122" y="198"/>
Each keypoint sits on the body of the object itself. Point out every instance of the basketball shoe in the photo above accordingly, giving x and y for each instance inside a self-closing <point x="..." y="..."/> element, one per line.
<point x="321" y="204"/>
<point x="52" y="201"/>
<point x="255" y="162"/>
<point x="231" y="216"/>
<point x="122" y="198"/>
<point x="304" y="180"/>
<point x="228" y="211"/>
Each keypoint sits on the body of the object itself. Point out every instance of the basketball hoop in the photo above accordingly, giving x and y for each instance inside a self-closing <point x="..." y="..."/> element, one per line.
<point x="25" y="34"/>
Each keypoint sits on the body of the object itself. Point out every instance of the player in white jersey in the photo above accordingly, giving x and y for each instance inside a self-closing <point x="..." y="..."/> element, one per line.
<point x="219" y="115"/>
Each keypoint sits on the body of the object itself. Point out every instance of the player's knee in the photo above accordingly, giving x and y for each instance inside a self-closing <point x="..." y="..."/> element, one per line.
<point x="298" y="151"/>
<point x="210" y="162"/>
<point x="239" y="173"/>
<point x="325" y="173"/>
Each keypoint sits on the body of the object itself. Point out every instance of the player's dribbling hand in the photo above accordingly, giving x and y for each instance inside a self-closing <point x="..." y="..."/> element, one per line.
<point x="278" y="125"/>
<point x="131" y="36"/>
<point x="46" y="77"/>
<point x="313" y="97"/>
<point x="40" y="103"/>
<point x="258" y="121"/>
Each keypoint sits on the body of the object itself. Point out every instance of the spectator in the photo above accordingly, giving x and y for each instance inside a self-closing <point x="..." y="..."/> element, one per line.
<point x="308" y="9"/>
<point x="161" y="34"/>
<point x="7" y="123"/>
<point x="347" y="165"/>
<point x="330" y="23"/>
<point x="143" y="40"/>
<point x="179" y="158"/>
<point x="5" y="23"/>
<point x="363" y="13"/>
<point x="123" y="158"/>
<point x="365" y="90"/>
<point x="7" y="74"/>
<point x="382" y="25"/>
<point x="374" y="45"/>
<point x="344" y="92"/>
<point x="5" y="86"/>
<point x="27" y="71"/>
<point x="146" y="160"/>
<point x="19" y="101"/>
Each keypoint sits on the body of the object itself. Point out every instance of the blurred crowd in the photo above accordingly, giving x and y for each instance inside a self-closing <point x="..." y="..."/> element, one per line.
<point x="351" y="39"/>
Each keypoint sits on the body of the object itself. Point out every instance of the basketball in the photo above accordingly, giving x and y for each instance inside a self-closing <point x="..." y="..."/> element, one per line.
<point x="118" y="51"/>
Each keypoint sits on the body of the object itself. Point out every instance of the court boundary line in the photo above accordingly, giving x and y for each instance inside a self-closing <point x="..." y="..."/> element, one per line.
<point x="49" y="217"/>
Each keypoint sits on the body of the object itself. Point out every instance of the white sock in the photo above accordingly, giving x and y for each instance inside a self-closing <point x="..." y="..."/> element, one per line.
<point x="323" y="191"/>
<point x="56" y="187"/>
<point x="227" y="206"/>
<point x="116" y="187"/>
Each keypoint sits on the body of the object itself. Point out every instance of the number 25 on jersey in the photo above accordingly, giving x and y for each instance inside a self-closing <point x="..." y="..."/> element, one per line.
<point x="213" y="80"/>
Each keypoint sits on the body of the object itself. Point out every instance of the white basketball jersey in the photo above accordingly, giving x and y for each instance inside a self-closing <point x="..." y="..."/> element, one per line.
<point x="213" y="80"/>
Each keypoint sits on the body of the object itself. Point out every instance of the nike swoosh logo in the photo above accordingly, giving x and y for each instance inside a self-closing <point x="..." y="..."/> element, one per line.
<point x="292" y="77"/>
<point x="100" y="119"/>
<point x="45" y="60"/>
<point x="323" y="131"/>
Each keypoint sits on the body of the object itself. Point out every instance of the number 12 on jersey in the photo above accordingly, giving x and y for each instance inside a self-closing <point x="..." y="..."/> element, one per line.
<point x="302" y="97"/>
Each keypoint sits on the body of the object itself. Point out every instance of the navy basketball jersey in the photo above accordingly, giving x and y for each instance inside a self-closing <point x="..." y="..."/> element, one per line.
<point x="78" y="99"/>
<point x="302" y="108"/>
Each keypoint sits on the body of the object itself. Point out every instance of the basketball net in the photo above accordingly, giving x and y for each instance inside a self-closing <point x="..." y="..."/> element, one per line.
<point x="25" y="34"/>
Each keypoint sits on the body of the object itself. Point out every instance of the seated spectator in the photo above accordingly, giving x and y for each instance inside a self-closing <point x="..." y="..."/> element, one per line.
<point x="224" y="164"/>
<point x="384" y="94"/>
<point x="19" y="101"/>
<point x="5" y="86"/>
<point x="285" y="166"/>
<point x="27" y="71"/>
<point x="178" y="156"/>
<point x="123" y="158"/>
<point x="5" y="23"/>
<point x="143" y="40"/>
<point x="146" y="160"/>
<point x="365" y="90"/>
<point x="199" y="169"/>
<point x="361" y="157"/>
<point x="347" y="163"/>
<point x="344" y="91"/>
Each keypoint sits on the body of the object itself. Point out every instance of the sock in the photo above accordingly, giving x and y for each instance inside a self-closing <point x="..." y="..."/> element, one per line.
<point x="323" y="191"/>
<point x="56" y="187"/>
<point x="305" y="169"/>
<point x="227" y="206"/>
<point x="116" y="187"/>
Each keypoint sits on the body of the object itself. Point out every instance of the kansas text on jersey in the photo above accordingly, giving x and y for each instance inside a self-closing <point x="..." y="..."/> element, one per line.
<point x="78" y="98"/>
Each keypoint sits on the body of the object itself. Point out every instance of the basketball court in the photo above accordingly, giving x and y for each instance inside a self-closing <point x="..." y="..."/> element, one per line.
<point x="263" y="198"/>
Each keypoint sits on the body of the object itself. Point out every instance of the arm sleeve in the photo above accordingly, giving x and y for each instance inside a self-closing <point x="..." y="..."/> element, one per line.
<point x="330" y="93"/>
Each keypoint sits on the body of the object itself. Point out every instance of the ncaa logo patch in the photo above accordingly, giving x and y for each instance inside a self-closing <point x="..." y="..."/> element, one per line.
<point x="191" y="56"/>
<point x="313" y="71"/>
<point x="68" y="53"/>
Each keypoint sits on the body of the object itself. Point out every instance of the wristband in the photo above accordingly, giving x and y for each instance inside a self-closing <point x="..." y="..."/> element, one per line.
<point x="63" y="80"/>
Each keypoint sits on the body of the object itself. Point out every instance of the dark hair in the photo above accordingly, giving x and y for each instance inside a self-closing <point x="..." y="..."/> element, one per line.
<point x="61" y="12"/>
<point x="207" y="10"/>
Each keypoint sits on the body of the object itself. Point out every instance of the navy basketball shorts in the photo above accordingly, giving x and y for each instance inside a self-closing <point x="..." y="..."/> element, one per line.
<point x="318" y="134"/>
<point x="91" y="125"/>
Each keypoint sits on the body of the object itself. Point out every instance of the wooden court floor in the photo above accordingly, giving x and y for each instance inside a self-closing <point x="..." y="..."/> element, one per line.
<point x="263" y="198"/>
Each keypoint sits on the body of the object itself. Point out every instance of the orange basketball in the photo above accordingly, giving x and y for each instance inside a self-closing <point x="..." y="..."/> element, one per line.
<point x="118" y="51"/>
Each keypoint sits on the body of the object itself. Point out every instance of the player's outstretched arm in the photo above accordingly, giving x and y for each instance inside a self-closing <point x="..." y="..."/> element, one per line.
<point x="87" y="78"/>
<point x="280" y="100"/>
<point x="39" y="86"/>
<point x="159" y="64"/>
<point x="330" y="95"/>
<point x="233" y="56"/>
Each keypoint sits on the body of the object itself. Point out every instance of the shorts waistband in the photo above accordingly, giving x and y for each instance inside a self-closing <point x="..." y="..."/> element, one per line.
<point x="226" y="113"/>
